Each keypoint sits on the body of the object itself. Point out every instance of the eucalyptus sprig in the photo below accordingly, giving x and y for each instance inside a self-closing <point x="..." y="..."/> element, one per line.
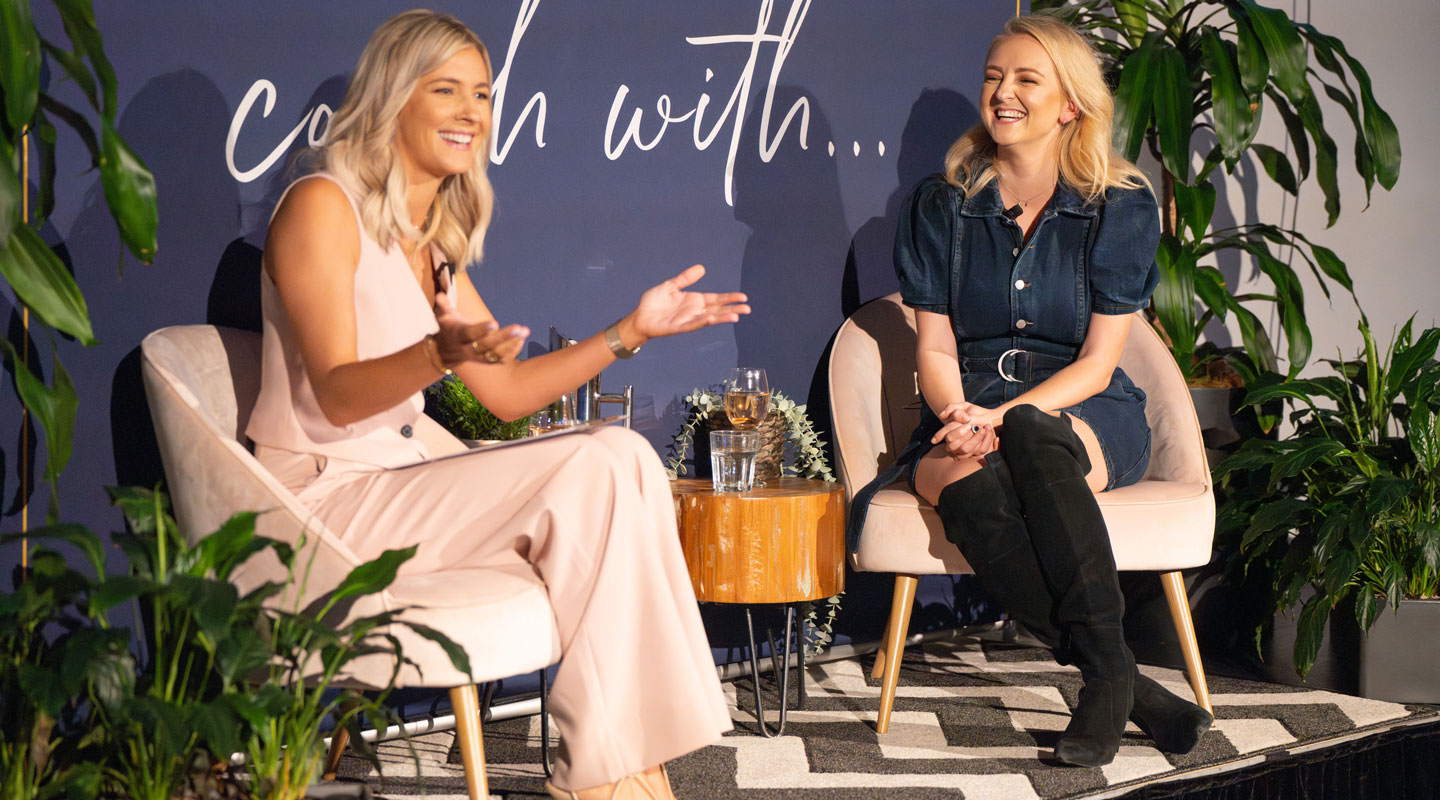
<point x="808" y="456"/>
<point x="808" y="451"/>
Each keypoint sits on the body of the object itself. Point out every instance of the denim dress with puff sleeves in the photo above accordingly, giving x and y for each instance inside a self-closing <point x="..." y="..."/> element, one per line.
<point x="1021" y="309"/>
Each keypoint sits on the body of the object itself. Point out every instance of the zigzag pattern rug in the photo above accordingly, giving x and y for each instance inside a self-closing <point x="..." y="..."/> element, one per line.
<point x="972" y="720"/>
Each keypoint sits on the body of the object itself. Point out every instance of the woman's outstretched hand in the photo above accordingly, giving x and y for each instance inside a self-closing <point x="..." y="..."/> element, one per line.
<point x="668" y="309"/>
<point x="460" y="340"/>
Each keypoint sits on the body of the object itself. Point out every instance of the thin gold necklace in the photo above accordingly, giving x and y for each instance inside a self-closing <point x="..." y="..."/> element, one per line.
<point x="1025" y="201"/>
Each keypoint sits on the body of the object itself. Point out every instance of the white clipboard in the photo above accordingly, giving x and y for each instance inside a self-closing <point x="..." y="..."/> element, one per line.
<point x="578" y="427"/>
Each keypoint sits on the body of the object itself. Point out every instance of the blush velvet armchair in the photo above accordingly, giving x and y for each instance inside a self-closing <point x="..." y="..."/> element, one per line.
<point x="201" y="382"/>
<point x="1165" y="523"/>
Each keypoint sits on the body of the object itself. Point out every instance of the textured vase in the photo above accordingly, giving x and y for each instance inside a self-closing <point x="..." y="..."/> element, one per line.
<point x="772" y="445"/>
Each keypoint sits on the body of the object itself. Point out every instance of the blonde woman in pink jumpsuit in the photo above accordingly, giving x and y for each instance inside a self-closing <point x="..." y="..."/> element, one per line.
<point x="361" y="313"/>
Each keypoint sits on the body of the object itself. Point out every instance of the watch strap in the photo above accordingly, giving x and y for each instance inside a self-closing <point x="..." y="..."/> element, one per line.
<point x="612" y="341"/>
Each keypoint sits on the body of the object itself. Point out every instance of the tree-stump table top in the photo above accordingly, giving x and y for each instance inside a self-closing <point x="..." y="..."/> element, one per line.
<point x="781" y="543"/>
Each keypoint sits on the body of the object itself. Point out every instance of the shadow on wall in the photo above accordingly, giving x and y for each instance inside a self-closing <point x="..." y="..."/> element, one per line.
<point x="177" y="123"/>
<point x="16" y="439"/>
<point x="234" y="299"/>
<point x="795" y="255"/>
<point x="937" y="118"/>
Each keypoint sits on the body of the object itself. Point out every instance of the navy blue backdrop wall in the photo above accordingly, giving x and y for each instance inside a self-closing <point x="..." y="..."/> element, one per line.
<point x="771" y="140"/>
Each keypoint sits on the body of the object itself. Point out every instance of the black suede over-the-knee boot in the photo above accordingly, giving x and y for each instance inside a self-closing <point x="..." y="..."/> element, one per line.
<point x="982" y="517"/>
<point x="1048" y="463"/>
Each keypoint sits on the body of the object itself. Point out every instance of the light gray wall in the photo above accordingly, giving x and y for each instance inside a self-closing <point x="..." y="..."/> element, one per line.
<point x="1389" y="247"/>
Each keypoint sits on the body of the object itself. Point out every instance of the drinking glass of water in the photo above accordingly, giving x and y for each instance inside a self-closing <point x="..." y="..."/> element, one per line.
<point x="732" y="460"/>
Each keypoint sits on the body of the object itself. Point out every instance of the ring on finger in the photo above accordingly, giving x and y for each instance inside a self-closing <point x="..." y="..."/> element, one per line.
<point x="489" y="356"/>
<point x="474" y="345"/>
<point x="974" y="428"/>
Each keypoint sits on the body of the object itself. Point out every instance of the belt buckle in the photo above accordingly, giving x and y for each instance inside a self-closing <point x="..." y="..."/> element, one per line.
<point x="1000" y="364"/>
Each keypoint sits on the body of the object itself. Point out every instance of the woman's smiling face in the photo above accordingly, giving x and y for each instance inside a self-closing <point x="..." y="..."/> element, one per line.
<point x="444" y="124"/>
<point x="1021" y="102"/>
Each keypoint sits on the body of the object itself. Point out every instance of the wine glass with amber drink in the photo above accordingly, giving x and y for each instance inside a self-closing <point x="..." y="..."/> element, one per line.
<point x="747" y="399"/>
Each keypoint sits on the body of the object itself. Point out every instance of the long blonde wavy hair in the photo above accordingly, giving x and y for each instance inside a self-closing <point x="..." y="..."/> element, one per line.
<point x="1088" y="160"/>
<point x="359" y="149"/>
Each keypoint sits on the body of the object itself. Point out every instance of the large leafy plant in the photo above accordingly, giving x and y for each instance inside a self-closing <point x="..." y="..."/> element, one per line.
<point x="1349" y="504"/>
<point x="38" y="278"/>
<point x="59" y="656"/>
<point x="253" y="674"/>
<point x="220" y="673"/>
<point x="1194" y="79"/>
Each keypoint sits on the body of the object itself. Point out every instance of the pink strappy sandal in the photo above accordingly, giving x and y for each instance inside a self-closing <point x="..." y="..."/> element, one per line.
<point x="565" y="794"/>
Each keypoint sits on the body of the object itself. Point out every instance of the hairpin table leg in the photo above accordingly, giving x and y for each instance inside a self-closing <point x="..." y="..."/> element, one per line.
<point x="780" y="662"/>
<point x="545" y="723"/>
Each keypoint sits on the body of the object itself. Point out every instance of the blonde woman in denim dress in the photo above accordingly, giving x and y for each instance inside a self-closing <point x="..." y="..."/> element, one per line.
<point x="1025" y="263"/>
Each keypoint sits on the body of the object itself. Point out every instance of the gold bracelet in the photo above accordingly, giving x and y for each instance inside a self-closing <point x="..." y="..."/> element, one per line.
<point x="432" y="354"/>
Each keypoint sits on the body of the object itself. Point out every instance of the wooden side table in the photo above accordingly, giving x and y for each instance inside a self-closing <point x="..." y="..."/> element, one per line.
<point x="782" y="543"/>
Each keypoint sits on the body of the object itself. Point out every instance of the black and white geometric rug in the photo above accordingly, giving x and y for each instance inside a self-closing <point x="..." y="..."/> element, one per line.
<point x="972" y="719"/>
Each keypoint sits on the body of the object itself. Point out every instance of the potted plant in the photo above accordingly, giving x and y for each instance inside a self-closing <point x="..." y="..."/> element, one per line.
<point x="454" y="407"/>
<point x="791" y="429"/>
<point x="220" y="673"/>
<point x="1348" y="507"/>
<point x="57" y="653"/>
<point x="252" y="674"/>
<point x="786" y="419"/>
<point x="1194" y="79"/>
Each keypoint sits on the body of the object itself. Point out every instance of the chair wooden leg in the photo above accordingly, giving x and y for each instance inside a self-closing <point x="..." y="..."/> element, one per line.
<point x="1174" y="584"/>
<point x="877" y="671"/>
<point x="465" y="700"/>
<point x="900" y="608"/>
<point x="338" y="740"/>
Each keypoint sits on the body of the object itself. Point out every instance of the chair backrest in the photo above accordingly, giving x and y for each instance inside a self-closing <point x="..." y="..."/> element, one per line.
<point x="201" y="382"/>
<point x="875" y="396"/>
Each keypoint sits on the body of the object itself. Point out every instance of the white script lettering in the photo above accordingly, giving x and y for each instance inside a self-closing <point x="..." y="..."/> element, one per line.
<point x="735" y="107"/>
<point x="315" y="117"/>
<point x="537" y="101"/>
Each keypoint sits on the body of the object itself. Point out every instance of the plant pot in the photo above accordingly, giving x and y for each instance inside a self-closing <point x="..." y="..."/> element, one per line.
<point x="767" y="461"/>
<point x="1337" y="662"/>
<point x="1400" y="656"/>
<point x="1395" y="661"/>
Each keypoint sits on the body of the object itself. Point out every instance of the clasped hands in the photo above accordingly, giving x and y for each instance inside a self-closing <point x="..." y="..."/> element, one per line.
<point x="968" y="430"/>
<point x="664" y="310"/>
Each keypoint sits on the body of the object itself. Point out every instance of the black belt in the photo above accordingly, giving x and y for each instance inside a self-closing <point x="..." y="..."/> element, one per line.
<point x="1017" y="366"/>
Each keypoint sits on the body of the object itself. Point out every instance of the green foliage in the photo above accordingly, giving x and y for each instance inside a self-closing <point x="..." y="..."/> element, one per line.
<point x="58" y="653"/>
<point x="40" y="281"/>
<point x="252" y="673"/>
<point x="1349" y="504"/>
<point x="222" y="672"/>
<point x="806" y="450"/>
<point x="1190" y="73"/>
<point x="461" y="414"/>
<point x="807" y="456"/>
